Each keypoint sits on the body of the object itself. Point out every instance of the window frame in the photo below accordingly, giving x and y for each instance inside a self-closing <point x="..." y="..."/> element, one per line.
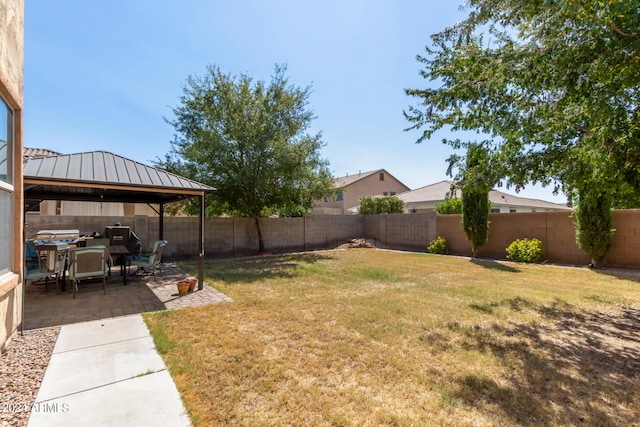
<point x="7" y="187"/>
<point x="8" y="184"/>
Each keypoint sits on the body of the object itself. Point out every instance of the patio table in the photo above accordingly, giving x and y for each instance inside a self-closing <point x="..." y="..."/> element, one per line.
<point x="121" y="252"/>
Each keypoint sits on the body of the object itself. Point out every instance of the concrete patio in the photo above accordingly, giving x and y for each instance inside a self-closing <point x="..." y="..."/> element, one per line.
<point x="142" y="294"/>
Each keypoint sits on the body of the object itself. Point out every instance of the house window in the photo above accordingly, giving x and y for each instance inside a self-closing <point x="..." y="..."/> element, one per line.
<point x="512" y="210"/>
<point x="381" y="176"/>
<point x="339" y="196"/>
<point x="6" y="187"/>
<point x="384" y="193"/>
<point x="495" y="210"/>
<point x="6" y="136"/>
<point x="393" y="193"/>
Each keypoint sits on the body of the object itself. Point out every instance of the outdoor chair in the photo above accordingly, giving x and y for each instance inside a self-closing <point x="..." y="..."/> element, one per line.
<point x="86" y="263"/>
<point x="101" y="242"/>
<point x="35" y="268"/>
<point x="152" y="261"/>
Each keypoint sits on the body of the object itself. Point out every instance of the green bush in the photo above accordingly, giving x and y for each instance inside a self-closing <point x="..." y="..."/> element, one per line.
<point x="438" y="246"/>
<point x="525" y="250"/>
<point x="449" y="206"/>
<point x="380" y="205"/>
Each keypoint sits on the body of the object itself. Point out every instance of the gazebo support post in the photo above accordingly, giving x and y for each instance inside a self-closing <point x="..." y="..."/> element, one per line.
<point x="161" y="225"/>
<point x="201" y="244"/>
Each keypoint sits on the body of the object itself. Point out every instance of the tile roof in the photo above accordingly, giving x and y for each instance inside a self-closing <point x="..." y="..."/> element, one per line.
<point x="344" y="181"/>
<point x="38" y="152"/>
<point x="437" y="192"/>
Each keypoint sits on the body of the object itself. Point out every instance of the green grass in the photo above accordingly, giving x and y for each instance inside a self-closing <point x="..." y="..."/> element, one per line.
<point x="367" y="337"/>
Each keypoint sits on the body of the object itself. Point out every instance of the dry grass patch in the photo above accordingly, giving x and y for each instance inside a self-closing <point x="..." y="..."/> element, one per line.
<point x="368" y="337"/>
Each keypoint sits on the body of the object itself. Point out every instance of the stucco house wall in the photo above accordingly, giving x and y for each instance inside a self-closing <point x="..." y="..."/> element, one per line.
<point x="352" y="187"/>
<point x="11" y="83"/>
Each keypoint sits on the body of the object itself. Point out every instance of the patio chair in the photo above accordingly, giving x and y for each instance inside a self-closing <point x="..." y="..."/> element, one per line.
<point x="152" y="261"/>
<point x="86" y="263"/>
<point x="35" y="268"/>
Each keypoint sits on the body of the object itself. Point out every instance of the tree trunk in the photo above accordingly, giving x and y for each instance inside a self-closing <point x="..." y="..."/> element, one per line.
<point x="261" y="248"/>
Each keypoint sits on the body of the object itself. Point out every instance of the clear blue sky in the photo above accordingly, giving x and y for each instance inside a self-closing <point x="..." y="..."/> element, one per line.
<point x="104" y="75"/>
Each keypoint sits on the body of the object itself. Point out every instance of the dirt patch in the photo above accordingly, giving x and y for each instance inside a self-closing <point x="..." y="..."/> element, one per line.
<point x="362" y="244"/>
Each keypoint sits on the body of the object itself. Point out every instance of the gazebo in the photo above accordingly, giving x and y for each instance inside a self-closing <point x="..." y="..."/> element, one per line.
<point x="100" y="176"/>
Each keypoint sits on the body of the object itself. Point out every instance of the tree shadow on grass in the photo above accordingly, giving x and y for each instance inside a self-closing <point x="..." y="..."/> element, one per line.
<point x="494" y="265"/>
<point x="631" y="275"/>
<point x="261" y="268"/>
<point x="580" y="368"/>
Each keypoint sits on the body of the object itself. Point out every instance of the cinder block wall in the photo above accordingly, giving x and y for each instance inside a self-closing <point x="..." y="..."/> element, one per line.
<point x="556" y="230"/>
<point x="223" y="236"/>
<point x="626" y="240"/>
<point x="448" y="226"/>
<point x="237" y="236"/>
<point x="400" y="231"/>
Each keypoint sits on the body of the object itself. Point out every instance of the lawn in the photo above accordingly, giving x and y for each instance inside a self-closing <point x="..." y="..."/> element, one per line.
<point x="369" y="337"/>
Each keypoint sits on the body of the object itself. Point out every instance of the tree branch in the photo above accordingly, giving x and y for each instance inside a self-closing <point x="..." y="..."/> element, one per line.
<point x="615" y="28"/>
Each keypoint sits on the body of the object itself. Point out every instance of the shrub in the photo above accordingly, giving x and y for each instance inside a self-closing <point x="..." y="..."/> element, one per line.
<point x="380" y="205"/>
<point x="449" y="206"/>
<point x="594" y="231"/>
<point x="525" y="250"/>
<point x="438" y="246"/>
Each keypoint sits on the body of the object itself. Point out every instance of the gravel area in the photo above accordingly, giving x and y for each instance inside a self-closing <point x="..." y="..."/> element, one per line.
<point x="21" y="371"/>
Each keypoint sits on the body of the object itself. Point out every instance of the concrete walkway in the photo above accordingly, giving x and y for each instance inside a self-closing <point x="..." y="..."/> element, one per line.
<point x="104" y="369"/>
<point x="107" y="373"/>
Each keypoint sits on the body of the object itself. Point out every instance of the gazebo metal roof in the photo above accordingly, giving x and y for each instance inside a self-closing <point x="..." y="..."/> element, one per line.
<point x="106" y="177"/>
<point x="100" y="176"/>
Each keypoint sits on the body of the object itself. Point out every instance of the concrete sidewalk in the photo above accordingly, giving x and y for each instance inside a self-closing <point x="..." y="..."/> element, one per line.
<point x="107" y="373"/>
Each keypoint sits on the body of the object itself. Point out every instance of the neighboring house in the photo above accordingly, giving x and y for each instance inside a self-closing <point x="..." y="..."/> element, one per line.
<point x="425" y="198"/>
<point x="350" y="188"/>
<point x="72" y="208"/>
<point x="29" y="153"/>
<point x="11" y="203"/>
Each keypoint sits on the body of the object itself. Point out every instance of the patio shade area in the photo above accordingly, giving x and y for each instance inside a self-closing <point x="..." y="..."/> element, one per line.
<point x="100" y="176"/>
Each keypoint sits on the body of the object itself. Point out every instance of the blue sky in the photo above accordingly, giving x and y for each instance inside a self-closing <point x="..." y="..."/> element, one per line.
<point x="104" y="75"/>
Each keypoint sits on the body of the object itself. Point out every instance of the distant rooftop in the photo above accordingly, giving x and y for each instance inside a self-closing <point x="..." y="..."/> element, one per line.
<point x="438" y="192"/>
<point x="38" y="152"/>
<point x="347" y="180"/>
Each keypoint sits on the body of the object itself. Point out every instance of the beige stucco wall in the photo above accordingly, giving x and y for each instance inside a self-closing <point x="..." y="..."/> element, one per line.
<point x="12" y="48"/>
<point x="368" y="186"/>
<point x="11" y="82"/>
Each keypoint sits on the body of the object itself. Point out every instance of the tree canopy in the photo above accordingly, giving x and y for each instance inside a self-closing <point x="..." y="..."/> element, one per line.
<point x="552" y="84"/>
<point x="552" y="87"/>
<point x="249" y="140"/>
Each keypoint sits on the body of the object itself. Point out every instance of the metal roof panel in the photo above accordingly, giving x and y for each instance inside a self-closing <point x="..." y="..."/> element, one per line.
<point x="102" y="167"/>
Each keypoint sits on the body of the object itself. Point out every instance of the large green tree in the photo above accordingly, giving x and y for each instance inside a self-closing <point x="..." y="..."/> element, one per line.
<point x="553" y="83"/>
<point x="249" y="140"/>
